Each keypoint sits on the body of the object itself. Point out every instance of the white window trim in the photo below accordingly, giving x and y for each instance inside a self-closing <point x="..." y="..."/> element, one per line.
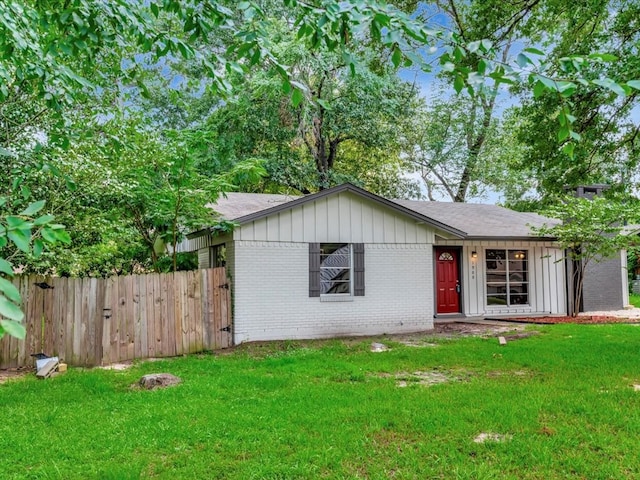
<point x="520" y="306"/>
<point x="339" y="297"/>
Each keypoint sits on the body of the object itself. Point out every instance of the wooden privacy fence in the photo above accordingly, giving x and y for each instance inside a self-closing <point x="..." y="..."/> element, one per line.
<point x="94" y="321"/>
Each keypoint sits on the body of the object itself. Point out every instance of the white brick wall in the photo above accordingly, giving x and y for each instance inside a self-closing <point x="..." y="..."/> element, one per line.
<point x="271" y="293"/>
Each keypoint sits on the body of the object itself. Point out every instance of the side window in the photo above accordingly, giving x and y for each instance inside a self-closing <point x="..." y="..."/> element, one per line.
<point x="219" y="255"/>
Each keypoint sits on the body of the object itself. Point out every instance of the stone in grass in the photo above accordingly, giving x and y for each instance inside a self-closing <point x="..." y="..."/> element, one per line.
<point x="379" y="347"/>
<point x="492" y="437"/>
<point x="636" y="388"/>
<point x="158" y="380"/>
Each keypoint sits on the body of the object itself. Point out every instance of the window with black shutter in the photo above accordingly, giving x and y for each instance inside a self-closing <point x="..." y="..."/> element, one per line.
<point x="336" y="269"/>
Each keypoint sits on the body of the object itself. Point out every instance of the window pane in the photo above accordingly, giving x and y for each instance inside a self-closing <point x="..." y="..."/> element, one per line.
<point x="335" y="268"/>
<point x="335" y="287"/>
<point x="497" y="289"/>
<point x="499" y="277"/>
<point x="496" y="300"/>
<point x="496" y="260"/>
<point x="335" y="260"/>
<point x="518" y="276"/>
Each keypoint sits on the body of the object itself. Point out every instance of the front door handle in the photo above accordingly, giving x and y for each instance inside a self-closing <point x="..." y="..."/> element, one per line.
<point x="457" y="288"/>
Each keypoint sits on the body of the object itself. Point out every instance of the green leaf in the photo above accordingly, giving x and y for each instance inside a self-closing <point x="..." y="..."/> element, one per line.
<point x="10" y="291"/>
<point x="297" y="97"/>
<point x="10" y="310"/>
<point x="38" y="247"/>
<point x="458" y="83"/>
<point x="44" y="219"/>
<point x="634" y="84"/>
<point x="20" y="238"/>
<point x="563" y="132"/>
<point x="6" y="267"/>
<point x="15" y="329"/>
<point x="522" y="60"/>
<point x="535" y="51"/>
<point x="33" y="208"/>
<point x="396" y="57"/>
<point x="568" y="148"/>
<point x="610" y="85"/>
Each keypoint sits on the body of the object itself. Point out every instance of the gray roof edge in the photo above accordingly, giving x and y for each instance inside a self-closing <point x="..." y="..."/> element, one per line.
<point x="349" y="187"/>
<point x="520" y="238"/>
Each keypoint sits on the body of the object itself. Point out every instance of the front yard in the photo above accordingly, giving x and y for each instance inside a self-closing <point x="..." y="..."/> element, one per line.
<point x="560" y="403"/>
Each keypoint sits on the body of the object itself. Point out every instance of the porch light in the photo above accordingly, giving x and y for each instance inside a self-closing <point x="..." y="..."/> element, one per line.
<point x="474" y="254"/>
<point x="519" y="255"/>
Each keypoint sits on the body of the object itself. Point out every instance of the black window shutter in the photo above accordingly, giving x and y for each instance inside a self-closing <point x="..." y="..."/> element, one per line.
<point x="358" y="269"/>
<point x="314" y="269"/>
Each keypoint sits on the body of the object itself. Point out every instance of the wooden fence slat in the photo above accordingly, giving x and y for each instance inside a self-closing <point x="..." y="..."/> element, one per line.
<point x="171" y="314"/>
<point x="68" y="320"/>
<point x="130" y="315"/>
<point x="77" y="322"/>
<point x="151" y="329"/>
<point x="178" y="316"/>
<point x="164" y="315"/>
<point x="142" y="306"/>
<point x="107" y="315"/>
<point x="114" y="348"/>
<point x="137" y="320"/>
<point x="49" y="321"/>
<point x="157" y="315"/>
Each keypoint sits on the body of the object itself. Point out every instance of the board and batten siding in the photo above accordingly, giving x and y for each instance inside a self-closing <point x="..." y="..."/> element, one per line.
<point x="272" y="302"/>
<point x="344" y="217"/>
<point x="547" y="278"/>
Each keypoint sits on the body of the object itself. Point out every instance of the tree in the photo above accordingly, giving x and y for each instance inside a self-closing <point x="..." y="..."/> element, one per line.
<point x="62" y="53"/>
<point x="590" y="231"/>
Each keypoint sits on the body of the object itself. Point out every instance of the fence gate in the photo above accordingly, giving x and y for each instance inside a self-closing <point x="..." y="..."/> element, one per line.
<point x="93" y="321"/>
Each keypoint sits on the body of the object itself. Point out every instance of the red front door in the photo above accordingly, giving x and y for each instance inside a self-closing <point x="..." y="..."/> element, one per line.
<point x="447" y="281"/>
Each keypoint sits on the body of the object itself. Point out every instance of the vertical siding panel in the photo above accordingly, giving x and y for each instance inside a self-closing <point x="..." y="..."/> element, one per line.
<point x="309" y="218"/>
<point x="400" y="234"/>
<point x="344" y="219"/>
<point x="333" y="218"/>
<point x="320" y="218"/>
<point x="246" y="232"/>
<point x="377" y="225"/>
<point x="259" y="229"/>
<point x="367" y="223"/>
<point x="388" y="227"/>
<point x="538" y="277"/>
<point x="286" y="235"/>
<point x="273" y="228"/>
<point x="356" y="221"/>
<point x="298" y="233"/>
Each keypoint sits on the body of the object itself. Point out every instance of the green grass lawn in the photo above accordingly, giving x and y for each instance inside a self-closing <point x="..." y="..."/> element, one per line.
<point x="333" y="410"/>
<point x="634" y="300"/>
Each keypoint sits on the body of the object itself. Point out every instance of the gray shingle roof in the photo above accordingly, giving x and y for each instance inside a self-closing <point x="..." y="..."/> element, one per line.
<point x="476" y="220"/>
<point x="237" y="205"/>
<point x="479" y="220"/>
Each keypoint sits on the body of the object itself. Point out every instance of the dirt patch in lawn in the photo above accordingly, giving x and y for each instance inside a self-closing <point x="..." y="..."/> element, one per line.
<point x="6" y="375"/>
